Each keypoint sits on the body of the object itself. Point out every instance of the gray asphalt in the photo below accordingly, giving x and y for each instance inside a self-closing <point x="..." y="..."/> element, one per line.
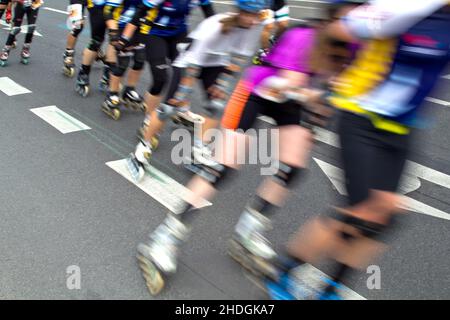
<point x="62" y="206"/>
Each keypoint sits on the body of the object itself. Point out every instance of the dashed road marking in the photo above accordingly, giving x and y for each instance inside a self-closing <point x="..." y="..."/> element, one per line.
<point x="11" y="88"/>
<point x="158" y="185"/>
<point x="62" y="121"/>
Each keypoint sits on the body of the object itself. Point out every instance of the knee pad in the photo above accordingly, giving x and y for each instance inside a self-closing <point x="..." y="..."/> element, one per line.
<point x="15" y="31"/>
<point x="165" y="111"/>
<point x="139" y="58"/>
<point x="287" y="175"/>
<point x="368" y="229"/>
<point x="138" y="65"/>
<point x="76" y="31"/>
<point x="119" y="68"/>
<point x="160" y="78"/>
<point x="94" y="45"/>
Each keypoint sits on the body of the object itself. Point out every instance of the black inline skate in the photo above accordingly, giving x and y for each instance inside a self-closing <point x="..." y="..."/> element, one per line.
<point x="111" y="105"/>
<point x="69" y="63"/>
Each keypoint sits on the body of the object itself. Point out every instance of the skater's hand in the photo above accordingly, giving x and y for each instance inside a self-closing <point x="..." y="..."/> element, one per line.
<point x="121" y="44"/>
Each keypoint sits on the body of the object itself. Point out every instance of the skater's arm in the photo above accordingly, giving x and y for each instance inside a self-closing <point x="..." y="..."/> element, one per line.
<point x="108" y="13"/>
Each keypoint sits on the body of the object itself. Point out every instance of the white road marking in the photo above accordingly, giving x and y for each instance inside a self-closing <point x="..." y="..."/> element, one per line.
<point x="55" y="10"/>
<point x="11" y="88"/>
<point x="62" y="121"/>
<point x="314" y="276"/>
<point x="158" y="185"/>
<point x="23" y="29"/>
<point x="409" y="184"/>
<point x="438" y="101"/>
<point x="447" y="77"/>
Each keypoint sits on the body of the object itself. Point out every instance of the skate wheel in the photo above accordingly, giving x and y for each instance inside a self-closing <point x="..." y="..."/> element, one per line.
<point x="3" y="63"/>
<point x="151" y="274"/>
<point x="115" y="114"/>
<point x="83" y="91"/>
<point x="69" y="72"/>
<point x="24" y="61"/>
<point x="155" y="143"/>
<point x="143" y="107"/>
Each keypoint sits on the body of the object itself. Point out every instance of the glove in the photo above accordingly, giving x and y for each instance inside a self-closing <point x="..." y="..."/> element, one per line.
<point x="121" y="44"/>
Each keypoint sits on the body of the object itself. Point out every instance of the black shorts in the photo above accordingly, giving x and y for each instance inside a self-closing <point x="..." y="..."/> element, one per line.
<point x="372" y="159"/>
<point x="98" y="24"/>
<point x="161" y="48"/>
<point x="283" y="113"/>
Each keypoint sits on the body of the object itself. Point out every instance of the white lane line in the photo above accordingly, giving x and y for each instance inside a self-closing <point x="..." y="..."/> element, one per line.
<point x="158" y="185"/>
<point x="412" y="168"/>
<point x="62" y="121"/>
<point x="23" y="28"/>
<point x="438" y="101"/>
<point x="11" y="88"/>
<point x="55" y="10"/>
<point x="312" y="275"/>
<point x="336" y="177"/>
<point x="447" y="77"/>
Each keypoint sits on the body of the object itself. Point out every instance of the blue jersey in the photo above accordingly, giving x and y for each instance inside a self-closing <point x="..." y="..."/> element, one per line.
<point x="391" y="77"/>
<point x="124" y="10"/>
<point x="170" y="19"/>
<point x="96" y="3"/>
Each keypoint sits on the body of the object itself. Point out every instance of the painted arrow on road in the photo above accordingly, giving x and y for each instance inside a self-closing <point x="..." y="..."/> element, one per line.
<point x="409" y="184"/>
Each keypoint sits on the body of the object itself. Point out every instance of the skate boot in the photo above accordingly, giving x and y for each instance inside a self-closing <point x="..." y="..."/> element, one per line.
<point x="111" y="105"/>
<point x="69" y="63"/>
<point x="250" y="248"/>
<point x="131" y="99"/>
<point x="187" y="118"/>
<point x="25" y="54"/>
<point x="104" y="81"/>
<point x="4" y="56"/>
<point x="140" y="133"/>
<point x="158" y="257"/>
<point x="82" y="85"/>
<point x="139" y="161"/>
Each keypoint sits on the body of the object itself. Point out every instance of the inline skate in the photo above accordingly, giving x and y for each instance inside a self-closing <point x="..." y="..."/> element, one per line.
<point x="4" y="56"/>
<point x="132" y="100"/>
<point x="69" y="63"/>
<point x="187" y="119"/>
<point x="140" y="132"/>
<point x="158" y="257"/>
<point x="82" y="85"/>
<point x="139" y="161"/>
<point x="249" y="247"/>
<point x="25" y="54"/>
<point x="111" y="105"/>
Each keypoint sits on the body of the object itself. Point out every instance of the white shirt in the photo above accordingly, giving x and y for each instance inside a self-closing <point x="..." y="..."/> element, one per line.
<point x="389" y="18"/>
<point x="211" y="47"/>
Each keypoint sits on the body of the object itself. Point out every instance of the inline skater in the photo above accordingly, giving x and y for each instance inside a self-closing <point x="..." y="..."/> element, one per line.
<point x="76" y="12"/>
<point x="380" y="97"/>
<point x="158" y="256"/>
<point x="165" y="28"/>
<point x="90" y="53"/>
<point x="30" y="9"/>
<point x="277" y="22"/>
<point x="117" y="14"/>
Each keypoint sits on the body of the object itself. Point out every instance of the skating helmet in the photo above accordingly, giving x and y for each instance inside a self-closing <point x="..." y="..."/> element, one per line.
<point x="254" y="6"/>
